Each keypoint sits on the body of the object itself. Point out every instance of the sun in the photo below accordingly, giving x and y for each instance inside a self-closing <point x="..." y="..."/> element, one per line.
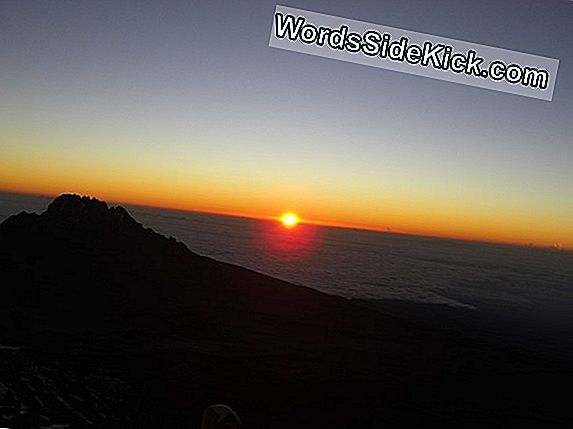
<point x="289" y="220"/>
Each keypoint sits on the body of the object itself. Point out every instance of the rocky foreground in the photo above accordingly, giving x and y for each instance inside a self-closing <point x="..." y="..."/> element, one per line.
<point x="105" y="323"/>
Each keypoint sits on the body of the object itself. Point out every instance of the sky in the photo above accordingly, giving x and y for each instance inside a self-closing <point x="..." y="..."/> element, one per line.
<point x="183" y="104"/>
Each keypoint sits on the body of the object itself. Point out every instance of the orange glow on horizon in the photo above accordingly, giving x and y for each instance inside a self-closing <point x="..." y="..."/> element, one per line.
<point x="401" y="222"/>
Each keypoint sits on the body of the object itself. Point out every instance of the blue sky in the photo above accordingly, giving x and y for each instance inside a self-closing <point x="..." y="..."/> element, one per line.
<point x="190" y="92"/>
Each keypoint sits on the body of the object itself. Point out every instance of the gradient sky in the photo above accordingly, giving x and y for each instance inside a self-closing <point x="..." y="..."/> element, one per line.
<point x="183" y="104"/>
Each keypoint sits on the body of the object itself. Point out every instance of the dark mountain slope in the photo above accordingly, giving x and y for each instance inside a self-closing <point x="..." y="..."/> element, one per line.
<point x="91" y="288"/>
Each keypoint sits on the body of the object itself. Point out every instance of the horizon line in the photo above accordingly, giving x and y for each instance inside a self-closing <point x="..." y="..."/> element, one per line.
<point x="342" y="225"/>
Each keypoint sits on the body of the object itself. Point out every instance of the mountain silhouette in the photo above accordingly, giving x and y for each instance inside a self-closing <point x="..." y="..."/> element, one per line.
<point x="100" y="297"/>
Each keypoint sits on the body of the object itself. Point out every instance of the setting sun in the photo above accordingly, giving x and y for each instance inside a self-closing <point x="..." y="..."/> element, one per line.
<point x="289" y="220"/>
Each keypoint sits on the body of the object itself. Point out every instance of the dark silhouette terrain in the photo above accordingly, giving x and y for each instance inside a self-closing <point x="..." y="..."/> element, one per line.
<point x="117" y="326"/>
